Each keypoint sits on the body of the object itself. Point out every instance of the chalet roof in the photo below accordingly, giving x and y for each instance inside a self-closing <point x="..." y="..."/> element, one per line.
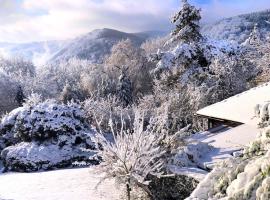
<point x="239" y="108"/>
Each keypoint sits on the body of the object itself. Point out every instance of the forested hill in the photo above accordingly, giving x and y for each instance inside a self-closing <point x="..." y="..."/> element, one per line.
<point x="98" y="43"/>
<point x="238" y="28"/>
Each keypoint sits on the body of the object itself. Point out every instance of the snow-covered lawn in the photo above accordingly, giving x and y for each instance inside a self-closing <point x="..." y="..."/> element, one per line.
<point x="68" y="184"/>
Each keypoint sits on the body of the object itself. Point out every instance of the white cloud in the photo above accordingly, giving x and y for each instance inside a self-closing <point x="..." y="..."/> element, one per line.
<point x="35" y="20"/>
<point x="61" y="19"/>
<point x="226" y="8"/>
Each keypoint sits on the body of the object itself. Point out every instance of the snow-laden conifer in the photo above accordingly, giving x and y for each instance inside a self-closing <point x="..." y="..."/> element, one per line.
<point x="187" y="24"/>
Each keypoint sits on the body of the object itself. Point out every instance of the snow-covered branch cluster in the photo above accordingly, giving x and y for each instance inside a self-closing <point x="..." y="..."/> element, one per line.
<point x="133" y="154"/>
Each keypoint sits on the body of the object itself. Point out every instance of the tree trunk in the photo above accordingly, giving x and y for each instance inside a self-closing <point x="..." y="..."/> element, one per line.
<point x="128" y="189"/>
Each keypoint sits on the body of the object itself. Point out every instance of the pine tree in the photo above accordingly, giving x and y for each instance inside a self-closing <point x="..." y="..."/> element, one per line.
<point x="20" y="98"/>
<point x="124" y="89"/>
<point x="187" y="24"/>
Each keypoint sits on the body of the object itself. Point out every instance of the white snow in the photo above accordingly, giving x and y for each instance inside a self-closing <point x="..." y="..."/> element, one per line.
<point x="239" y="108"/>
<point x="193" y="172"/>
<point x="68" y="184"/>
<point x="225" y="142"/>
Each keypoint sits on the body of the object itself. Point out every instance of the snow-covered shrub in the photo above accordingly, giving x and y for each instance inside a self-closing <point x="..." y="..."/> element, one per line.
<point x="33" y="156"/>
<point x="262" y="111"/>
<point x="135" y="153"/>
<point x="40" y="126"/>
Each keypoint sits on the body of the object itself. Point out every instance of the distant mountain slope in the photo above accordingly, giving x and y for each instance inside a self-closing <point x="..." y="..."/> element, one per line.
<point x="38" y="52"/>
<point x="238" y="28"/>
<point x="92" y="46"/>
<point x="97" y="44"/>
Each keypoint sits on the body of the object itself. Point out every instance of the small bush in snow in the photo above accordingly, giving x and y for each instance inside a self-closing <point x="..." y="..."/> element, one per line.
<point x="134" y="154"/>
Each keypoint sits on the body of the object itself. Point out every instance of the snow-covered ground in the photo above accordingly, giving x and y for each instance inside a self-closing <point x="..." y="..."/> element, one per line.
<point x="224" y="142"/>
<point x="68" y="184"/>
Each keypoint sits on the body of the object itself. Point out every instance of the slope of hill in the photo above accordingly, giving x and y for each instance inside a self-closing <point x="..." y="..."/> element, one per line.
<point x="95" y="45"/>
<point x="238" y="28"/>
<point x="92" y="46"/>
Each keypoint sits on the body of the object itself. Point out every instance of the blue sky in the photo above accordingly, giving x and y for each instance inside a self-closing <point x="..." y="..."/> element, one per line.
<point x="37" y="20"/>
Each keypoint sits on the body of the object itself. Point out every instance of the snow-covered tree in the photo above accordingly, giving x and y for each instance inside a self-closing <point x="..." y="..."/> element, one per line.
<point x="105" y="109"/>
<point x="187" y="24"/>
<point x="124" y="89"/>
<point x="255" y="38"/>
<point x="8" y="90"/>
<point x="20" y="98"/>
<point x="127" y="57"/>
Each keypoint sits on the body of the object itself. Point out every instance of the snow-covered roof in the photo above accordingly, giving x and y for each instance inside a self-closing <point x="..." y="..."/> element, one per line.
<point x="239" y="108"/>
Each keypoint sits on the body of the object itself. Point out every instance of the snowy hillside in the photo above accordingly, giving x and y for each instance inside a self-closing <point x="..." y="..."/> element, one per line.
<point x="93" y="46"/>
<point x="238" y="28"/>
<point x="96" y="44"/>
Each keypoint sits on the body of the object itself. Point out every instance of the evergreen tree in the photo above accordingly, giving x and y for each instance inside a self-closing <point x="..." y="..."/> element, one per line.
<point x="20" y="98"/>
<point x="124" y="89"/>
<point x="187" y="24"/>
<point x="254" y="38"/>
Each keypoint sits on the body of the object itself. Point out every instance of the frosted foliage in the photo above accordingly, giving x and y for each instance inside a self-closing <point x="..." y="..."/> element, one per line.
<point x="32" y="156"/>
<point x="7" y="93"/>
<point x="106" y="109"/>
<point x="262" y="111"/>
<point x="246" y="177"/>
<point x="130" y="60"/>
<point x="135" y="154"/>
<point x="187" y="24"/>
<point x="183" y="54"/>
<point x="45" y="120"/>
<point x="254" y="38"/>
<point x="44" y="127"/>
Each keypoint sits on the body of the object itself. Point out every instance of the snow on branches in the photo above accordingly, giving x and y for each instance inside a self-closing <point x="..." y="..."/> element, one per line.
<point x="133" y="154"/>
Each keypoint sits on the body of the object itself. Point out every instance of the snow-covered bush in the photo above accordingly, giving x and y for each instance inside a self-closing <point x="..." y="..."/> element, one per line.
<point x="190" y="155"/>
<point x="41" y="127"/>
<point x="135" y="153"/>
<point x="33" y="156"/>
